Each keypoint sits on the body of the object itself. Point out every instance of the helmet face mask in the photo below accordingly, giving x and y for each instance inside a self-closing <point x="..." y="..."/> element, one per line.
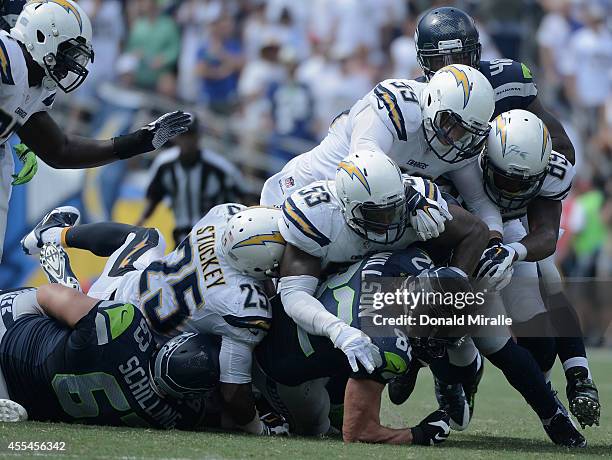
<point x="380" y="223"/>
<point x="452" y="139"/>
<point x="510" y="191"/>
<point x="68" y="68"/>
<point x="433" y="60"/>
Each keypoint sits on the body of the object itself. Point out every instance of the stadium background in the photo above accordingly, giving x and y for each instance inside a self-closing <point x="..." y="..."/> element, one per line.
<point x="266" y="78"/>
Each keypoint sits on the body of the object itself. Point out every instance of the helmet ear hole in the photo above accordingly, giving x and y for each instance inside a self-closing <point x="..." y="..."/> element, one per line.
<point x="40" y="36"/>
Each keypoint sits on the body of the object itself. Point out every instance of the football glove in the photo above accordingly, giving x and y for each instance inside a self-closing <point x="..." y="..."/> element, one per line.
<point x="426" y="216"/>
<point x="358" y="347"/>
<point x="495" y="266"/>
<point x="434" y="429"/>
<point x="30" y="165"/>
<point x="152" y="136"/>
<point x="274" y="425"/>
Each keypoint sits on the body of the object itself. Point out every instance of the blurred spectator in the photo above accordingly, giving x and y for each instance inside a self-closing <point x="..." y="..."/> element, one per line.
<point x="587" y="65"/>
<point x="403" y="52"/>
<point x="553" y="35"/>
<point x="219" y="64"/>
<point x="108" y="33"/>
<point x="193" y="16"/>
<point x="194" y="179"/>
<point x="258" y="75"/>
<point x="292" y="112"/>
<point x="152" y="49"/>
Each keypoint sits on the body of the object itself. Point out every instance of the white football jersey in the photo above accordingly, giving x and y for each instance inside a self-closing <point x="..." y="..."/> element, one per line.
<point x="194" y="289"/>
<point x="556" y="186"/>
<point x="313" y="222"/>
<point x="396" y="104"/>
<point x="17" y="97"/>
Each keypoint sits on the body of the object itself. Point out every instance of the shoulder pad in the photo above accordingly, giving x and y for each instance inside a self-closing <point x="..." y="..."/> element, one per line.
<point x="558" y="181"/>
<point x="114" y="318"/>
<point x="512" y="83"/>
<point x="307" y="216"/>
<point x="397" y="104"/>
<point x="6" y="72"/>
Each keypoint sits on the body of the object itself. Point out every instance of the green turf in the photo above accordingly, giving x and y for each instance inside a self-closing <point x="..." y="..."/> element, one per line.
<point x="504" y="427"/>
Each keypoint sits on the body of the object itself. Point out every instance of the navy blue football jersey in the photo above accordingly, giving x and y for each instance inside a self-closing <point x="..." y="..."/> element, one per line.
<point x="512" y="84"/>
<point x="9" y="10"/>
<point x="291" y="356"/>
<point x="96" y="373"/>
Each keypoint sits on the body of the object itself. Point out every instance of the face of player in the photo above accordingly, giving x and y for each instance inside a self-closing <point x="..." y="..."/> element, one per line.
<point x="437" y="62"/>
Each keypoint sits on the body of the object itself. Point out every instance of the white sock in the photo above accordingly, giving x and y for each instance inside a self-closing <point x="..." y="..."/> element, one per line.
<point x="52" y="235"/>
<point x="575" y="362"/>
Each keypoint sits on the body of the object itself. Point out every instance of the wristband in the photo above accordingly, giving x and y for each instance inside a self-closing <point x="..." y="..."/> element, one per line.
<point x="132" y="144"/>
<point x="521" y="250"/>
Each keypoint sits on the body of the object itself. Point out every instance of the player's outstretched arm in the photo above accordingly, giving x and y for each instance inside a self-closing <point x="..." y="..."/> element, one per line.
<point x="362" y="415"/>
<point x="362" y="419"/>
<point x="61" y="150"/>
<point x="544" y="217"/>
<point x="64" y="304"/>
<point x="560" y="139"/>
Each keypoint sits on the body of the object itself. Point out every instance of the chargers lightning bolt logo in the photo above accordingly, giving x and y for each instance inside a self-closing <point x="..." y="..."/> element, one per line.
<point x="354" y="171"/>
<point x="462" y="81"/>
<point x="68" y="6"/>
<point x="501" y="130"/>
<point x="261" y="240"/>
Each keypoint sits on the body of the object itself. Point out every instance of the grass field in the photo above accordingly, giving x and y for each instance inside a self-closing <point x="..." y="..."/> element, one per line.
<point x="503" y="427"/>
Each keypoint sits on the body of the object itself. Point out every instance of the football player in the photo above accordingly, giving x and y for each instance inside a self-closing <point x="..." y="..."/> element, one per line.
<point x="294" y="381"/>
<point x="527" y="179"/>
<point x="49" y="49"/>
<point x="368" y="207"/>
<point x="211" y="283"/>
<point x="427" y="129"/>
<point x="67" y="357"/>
<point x="447" y="36"/>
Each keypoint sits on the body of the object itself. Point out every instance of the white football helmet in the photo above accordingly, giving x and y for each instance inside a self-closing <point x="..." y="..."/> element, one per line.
<point x="456" y="106"/>
<point x="57" y="34"/>
<point x="252" y="242"/>
<point x="515" y="162"/>
<point x="370" y="187"/>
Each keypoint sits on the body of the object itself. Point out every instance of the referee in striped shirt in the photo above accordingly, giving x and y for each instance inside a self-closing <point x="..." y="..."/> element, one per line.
<point x="194" y="180"/>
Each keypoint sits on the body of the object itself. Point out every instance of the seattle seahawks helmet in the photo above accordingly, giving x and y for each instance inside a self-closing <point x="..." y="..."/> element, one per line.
<point x="370" y="188"/>
<point x="187" y="366"/>
<point x="57" y="34"/>
<point x="252" y="243"/>
<point x="456" y="106"/>
<point x="446" y="36"/>
<point x="515" y="162"/>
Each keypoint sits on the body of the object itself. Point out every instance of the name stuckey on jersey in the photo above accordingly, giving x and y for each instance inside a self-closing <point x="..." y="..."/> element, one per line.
<point x="205" y="239"/>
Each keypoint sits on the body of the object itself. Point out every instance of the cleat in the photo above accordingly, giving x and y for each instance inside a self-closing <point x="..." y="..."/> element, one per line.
<point x="11" y="411"/>
<point x="56" y="265"/>
<point x="64" y="216"/>
<point x="583" y="397"/>
<point x="471" y="389"/>
<point x="562" y="431"/>
<point x="451" y="399"/>
<point x="401" y="388"/>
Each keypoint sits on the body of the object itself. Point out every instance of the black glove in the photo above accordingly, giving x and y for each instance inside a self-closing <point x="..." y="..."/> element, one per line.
<point x="434" y="429"/>
<point x="152" y="136"/>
